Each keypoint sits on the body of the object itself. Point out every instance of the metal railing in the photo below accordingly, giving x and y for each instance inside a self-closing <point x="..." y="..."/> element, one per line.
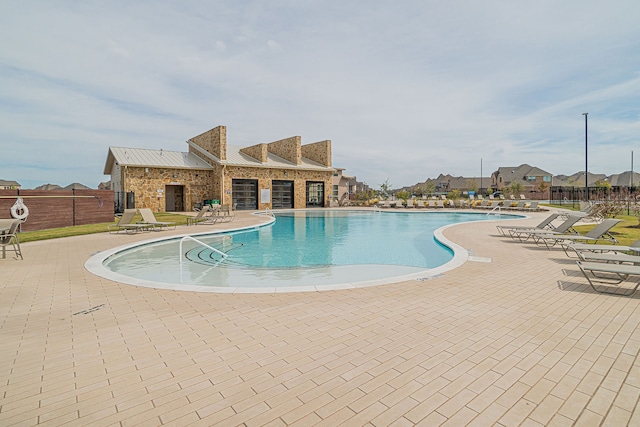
<point x="200" y="243"/>
<point x="493" y="211"/>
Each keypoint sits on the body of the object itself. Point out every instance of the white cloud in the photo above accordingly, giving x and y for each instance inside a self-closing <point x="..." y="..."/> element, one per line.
<point x="405" y="91"/>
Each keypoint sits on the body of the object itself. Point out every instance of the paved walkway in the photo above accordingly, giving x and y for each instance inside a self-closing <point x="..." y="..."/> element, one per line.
<point x="521" y="340"/>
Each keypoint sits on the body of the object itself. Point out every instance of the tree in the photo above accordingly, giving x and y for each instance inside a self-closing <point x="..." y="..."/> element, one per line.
<point x="385" y="189"/>
<point x="515" y="188"/>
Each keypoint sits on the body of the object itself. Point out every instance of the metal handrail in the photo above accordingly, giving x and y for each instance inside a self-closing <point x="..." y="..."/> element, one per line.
<point x="201" y="243"/>
<point x="269" y="212"/>
<point x="498" y="207"/>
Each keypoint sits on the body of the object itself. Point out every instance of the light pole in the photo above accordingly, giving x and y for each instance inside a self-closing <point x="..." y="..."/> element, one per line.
<point x="586" y="163"/>
<point x="480" y="175"/>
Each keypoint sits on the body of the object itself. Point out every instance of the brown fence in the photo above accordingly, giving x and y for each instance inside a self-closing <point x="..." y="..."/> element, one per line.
<point x="59" y="208"/>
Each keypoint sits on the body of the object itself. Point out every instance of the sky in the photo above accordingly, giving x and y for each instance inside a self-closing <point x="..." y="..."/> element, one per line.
<point x="405" y="90"/>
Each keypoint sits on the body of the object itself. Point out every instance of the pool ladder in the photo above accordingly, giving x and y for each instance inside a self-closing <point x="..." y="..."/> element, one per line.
<point x="200" y="243"/>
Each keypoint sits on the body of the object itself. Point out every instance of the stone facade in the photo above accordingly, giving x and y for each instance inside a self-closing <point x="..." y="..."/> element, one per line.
<point x="156" y="187"/>
<point x="150" y="186"/>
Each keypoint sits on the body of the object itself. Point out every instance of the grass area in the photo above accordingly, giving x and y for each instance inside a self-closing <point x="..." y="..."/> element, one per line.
<point x="77" y="230"/>
<point x="625" y="232"/>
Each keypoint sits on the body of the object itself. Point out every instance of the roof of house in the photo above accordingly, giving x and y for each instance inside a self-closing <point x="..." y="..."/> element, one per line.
<point x="4" y="182"/>
<point x="519" y="172"/>
<point x="48" y="187"/>
<point x="76" y="186"/>
<point x="142" y="157"/>
<point x="237" y="158"/>
<point x="624" y="179"/>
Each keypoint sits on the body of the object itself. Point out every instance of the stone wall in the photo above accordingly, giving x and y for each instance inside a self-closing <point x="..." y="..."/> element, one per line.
<point x="213" y="141"/>
<point x="258" y="152"/>
<point x="288" y="149"/>
<point x="319" y="152"/>
<point x="198" y="186"/>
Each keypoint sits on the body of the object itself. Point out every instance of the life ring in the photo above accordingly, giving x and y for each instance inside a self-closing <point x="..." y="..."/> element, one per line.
<point x="19" y="210"/>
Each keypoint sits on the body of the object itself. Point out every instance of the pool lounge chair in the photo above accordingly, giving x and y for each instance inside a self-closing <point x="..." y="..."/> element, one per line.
<point x="10" y="238"/>
<point x="226" y="213"/>
<point x="149" y="218"/>
<point x="600" y="248"/>
<point x="616" y="273"/>
<point x="611" y="257"/>
<point x="564" y="228"/>
<point x="126" y="224"/>
<point x="599" y="232"/>
<point x="545" y="224"/>
<point x="201" y="217"/>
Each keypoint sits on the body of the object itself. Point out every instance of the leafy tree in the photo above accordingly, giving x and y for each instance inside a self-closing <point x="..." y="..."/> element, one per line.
<point x="472" y="185"/>
<point x="385" y="189"/>
<point x="516" y="188"/>
<point x="453" y="195"/>
<point x="404" y="195"/>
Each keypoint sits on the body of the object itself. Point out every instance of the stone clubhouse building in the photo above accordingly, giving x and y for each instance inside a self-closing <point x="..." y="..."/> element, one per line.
<point x="276" y="175"/>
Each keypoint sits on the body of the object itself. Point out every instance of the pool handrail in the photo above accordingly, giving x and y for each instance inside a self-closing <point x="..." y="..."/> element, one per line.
<point x="201" y="243"/>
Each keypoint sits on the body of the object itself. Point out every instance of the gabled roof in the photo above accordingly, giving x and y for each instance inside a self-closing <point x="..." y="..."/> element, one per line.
<point x="237" y="158"/>
<point x="7" y="183"/>
<point x="76" y="186"/>
<point x="142" y="157"/>
<point x="48" y="187"/>
<point x="624" y="179"/>
<point x="519" y="172"/>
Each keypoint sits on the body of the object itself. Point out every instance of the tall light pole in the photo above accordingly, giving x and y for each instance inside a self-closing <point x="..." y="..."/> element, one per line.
<point x="586" y="163"/>
<point x="480" y="175"/>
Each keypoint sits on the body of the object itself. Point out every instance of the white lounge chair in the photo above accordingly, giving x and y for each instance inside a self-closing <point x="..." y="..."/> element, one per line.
<point x="126" y="224"/>
<point x="149" y="218"/>
<point x="564" y="228"/>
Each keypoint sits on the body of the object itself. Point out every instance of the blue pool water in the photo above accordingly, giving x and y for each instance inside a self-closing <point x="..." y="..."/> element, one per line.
<point x="300" y="249"/>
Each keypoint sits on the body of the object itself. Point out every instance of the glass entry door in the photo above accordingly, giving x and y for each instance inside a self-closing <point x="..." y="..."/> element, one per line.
<point x="282" y="197"/>
<point x="245" y="194"/>
<point x="315" y="194"/>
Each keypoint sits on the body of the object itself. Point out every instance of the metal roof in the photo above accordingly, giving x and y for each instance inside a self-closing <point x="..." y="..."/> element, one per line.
<point x="143" y="157"/>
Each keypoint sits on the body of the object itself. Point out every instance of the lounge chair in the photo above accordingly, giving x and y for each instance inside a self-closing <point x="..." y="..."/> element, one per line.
<point x="612" y="257"/>
<point x="410" y="203"/>
<point x="126" y="224"/>
<point x="439" y="204"/>
<point x="599" y="232"/>
<point x="420" y="204"/>
<point x="620" y="273"/>
<point x="10" y="238"/>
<point x="201" y="216"/>
<point x="596" y="248"/>
<point x="149" y="218"/>
<point x="533" y="206"/>
<point x="226" y="213"/>
<point x="545" y="224"/>
<point x="564" y="228"/>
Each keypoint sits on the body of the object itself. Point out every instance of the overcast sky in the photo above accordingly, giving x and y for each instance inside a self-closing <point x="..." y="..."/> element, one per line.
<point x="405" y="90"/>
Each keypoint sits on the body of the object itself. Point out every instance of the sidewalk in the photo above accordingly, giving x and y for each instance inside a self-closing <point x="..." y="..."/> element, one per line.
<point x="516" y="337"/>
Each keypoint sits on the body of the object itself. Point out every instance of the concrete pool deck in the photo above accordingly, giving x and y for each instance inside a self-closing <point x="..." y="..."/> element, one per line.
<point x="519" y="340"/>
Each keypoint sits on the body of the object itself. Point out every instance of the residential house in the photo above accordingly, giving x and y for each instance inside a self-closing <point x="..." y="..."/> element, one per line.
<point x="530" y="177"/>
<point x="9" y="185"/>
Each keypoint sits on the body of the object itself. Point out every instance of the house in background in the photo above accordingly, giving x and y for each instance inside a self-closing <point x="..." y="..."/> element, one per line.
<point x="279" y="174"/>
<point x="9" y="185"/>
<point x="530" y="177"/>
<point x="344" y="187"/>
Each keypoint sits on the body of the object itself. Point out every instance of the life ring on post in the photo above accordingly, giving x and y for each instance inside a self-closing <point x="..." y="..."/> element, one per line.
<point x="19" y="210"/>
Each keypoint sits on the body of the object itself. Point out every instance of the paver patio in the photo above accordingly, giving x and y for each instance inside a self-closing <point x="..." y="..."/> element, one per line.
<point x="521" y="340"/>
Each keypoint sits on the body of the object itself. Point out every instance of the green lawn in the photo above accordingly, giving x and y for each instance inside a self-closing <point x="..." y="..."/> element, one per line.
<point x="77" y="230"/>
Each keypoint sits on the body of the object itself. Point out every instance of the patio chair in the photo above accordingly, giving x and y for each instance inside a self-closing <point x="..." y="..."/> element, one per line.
<point x="616" y="273"/>
<point x="564" y="228"/>
<point x="611" y="257"/>
<point x="545" y="224"/>
<point x="226" y="213"/>
<point x="10" y="238"/>
<point x="200" y="216"/>
<point x="410" y="203"/>
<point x="420" y="204"/>
<point x="599" y="232"/>
<point x="126" y="224"/>
<point x="149" y="218"/>
<point x="533" y="206"/>
<point x="600" y="248"/>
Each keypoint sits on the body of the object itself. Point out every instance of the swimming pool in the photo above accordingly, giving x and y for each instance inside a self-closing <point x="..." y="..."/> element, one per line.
<point x="301" y="250"/>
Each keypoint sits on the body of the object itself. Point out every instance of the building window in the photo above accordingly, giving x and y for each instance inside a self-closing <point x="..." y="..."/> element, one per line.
<point x="546" y="178"/>
<point x="531" y="178"/>
<point x="335" y="191"/>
